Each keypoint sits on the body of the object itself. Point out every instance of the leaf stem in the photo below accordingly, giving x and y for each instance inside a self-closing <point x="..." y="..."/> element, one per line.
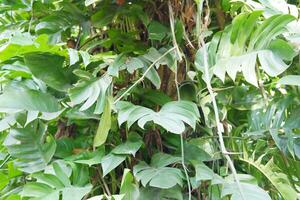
<point x="5" y="161"/>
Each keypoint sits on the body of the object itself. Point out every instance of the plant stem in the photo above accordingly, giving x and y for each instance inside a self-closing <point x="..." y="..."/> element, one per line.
<point x="217" y="118"/>
<point x="104" y="183"/>
<point x="171" y="16"/>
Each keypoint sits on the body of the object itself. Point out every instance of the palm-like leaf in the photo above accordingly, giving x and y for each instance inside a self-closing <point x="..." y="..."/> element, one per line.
<point x="278" y="179"/>
<point x="28" y="147"/>
<point x="246" y="42"/>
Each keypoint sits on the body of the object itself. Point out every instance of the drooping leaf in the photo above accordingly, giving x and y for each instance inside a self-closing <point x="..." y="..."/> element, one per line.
<point x="110" y="162"/>
<point x="104" y="125"/>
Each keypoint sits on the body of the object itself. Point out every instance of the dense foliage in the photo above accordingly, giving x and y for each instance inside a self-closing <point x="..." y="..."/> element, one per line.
<point x="149" y="99"/>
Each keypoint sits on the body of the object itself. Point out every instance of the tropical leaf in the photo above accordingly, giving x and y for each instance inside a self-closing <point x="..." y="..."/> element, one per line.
<point x="28" y="147"/>
<point x="51" y="186"/>
<point x="48" y="68"/>
<point x="278" y="179"/>
<point x="90" y="92"/>
<point x="157" y="174"/>
<point x="234" y="54"/>
<point x="104" y="125"/>
<point x="17" y="97"/>
<point x="171" y="116"/>
<point x="119" y="153"/>
<point x="129" y="187"/>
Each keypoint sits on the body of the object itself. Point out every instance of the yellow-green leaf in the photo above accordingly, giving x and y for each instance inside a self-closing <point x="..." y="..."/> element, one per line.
<point x="104" y="124"/>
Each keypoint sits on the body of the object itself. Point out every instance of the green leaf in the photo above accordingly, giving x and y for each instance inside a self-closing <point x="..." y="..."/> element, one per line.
<point x="238" y="52"/>
<point x="27" y="146"/>
<point x="88" y="158"/>
<point x="48" y="68"/>
<point x="16" y="98"/>
<point x="129" y="187"/>
<point x="131" y="146"/>
<point x="73" y="55"/>
<point x="162" y="177"/>
<point x="114" y="68"/>
<point x="278" y="179"/>
<point x="7" y="121"/>
<point x="171" y="117"/>
<point x="290" y="80"/>
<point x="85" y="57"/>
<point x="150" y="193"/>
<point x="90" y="92"/>
<point x="104" y="125"/>
<point x="250" y="192"/>
<point x="50" y="186"/>
<point x="163" y="160"/>
<point x="157" y="31"/>
<point x="110" y="162"/>
<point x="40" y="45"/>
<point x="157" y="175"/>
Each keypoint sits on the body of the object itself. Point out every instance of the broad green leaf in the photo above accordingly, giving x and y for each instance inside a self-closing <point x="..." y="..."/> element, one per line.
<point x="85" y="57"/>
<point x="16" y="98"/>
<point x="157" y="174"/>
<point x="290" y="80"/>
<point x="163" y="160"/>
<point x="157" y="31"/>
<point x="119" y="153"/>
<point x="4" y="180"/>
<point x="171" y="117"/>
<point x="107" y="197"/>
<point x="114" y="68"/>
<point x="131" y="146"/>
<point x="27" y="146"/>
<point x="150" y="193"/>
<point x="7" y="122"/>
<point x="103" y="16"/>
<point x="110" y="162"/>
<point x="238" y="52"/>
<point x="48" y="68"/>
<point x="104" y="125"/>
<point x="271" y="63"/>
<point x="161" y="177"/>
